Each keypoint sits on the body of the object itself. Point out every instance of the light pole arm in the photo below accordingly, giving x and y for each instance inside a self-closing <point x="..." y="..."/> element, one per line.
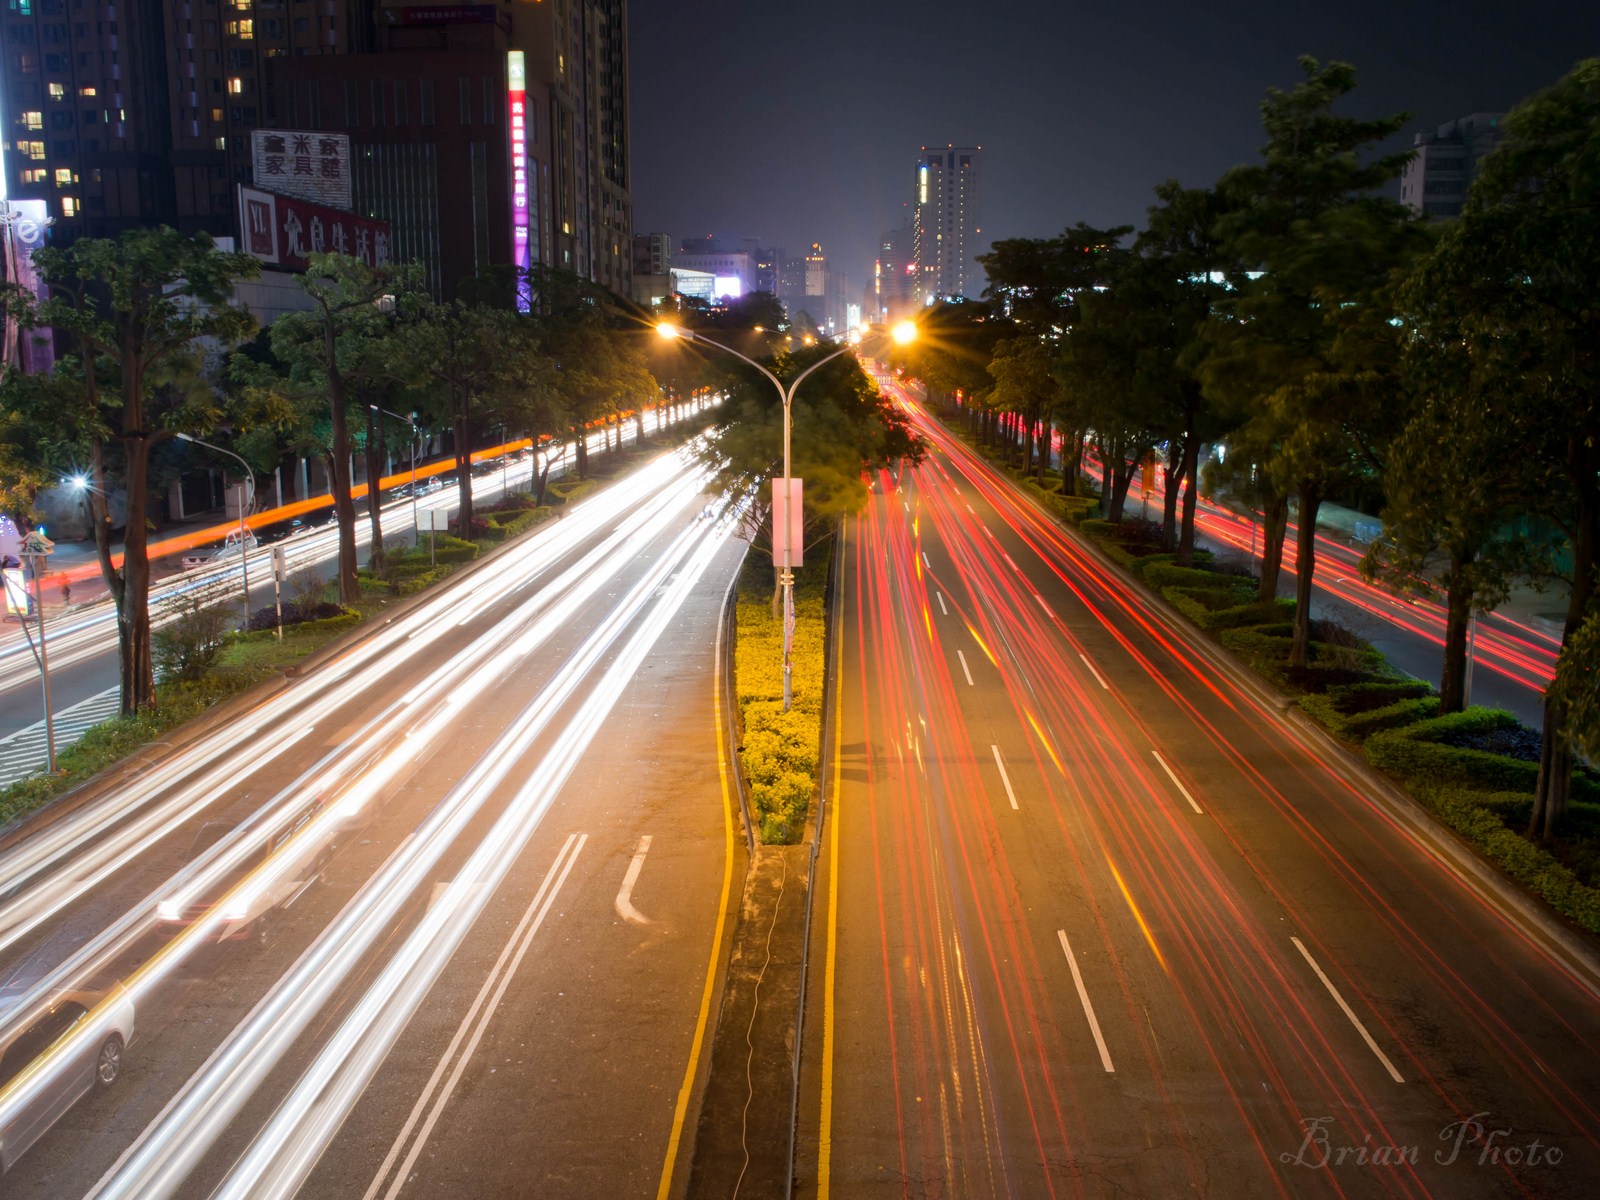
<point x="801" y="378"/>
<point x="776" y="382"/>
<point x="249" y="476"/>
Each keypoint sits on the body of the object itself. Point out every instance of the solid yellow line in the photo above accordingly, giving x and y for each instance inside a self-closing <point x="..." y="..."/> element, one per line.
<point x="664" y="1189"/>
<point x="825" y="1129"/>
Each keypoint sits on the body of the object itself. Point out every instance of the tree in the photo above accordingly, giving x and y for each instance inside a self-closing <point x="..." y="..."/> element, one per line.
<point x="1300" y="354"/>
<point x="1519" y="261"/>
<point x="340" y="351"/>
<point x="139" y="308"/>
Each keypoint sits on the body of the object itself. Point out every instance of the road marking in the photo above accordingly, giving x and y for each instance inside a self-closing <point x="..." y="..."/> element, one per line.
<point x="625" y="908"/>
<point x="907" y="503"/>
<point x="1088" y="1009"/>
<point x="1044" y="606"/>
<point x="1012" y="561"/>
<point x="939" y="596"/>
<point x="970" y="509"/>
<point x="965" y="670"/>
<point x="476" y="1021"/>
<point x="1178" y="782"/>
<point x="825" y="1122"/>
<point x="1004" y="778"/>
<point x="925" y="561"/>
<point x="1096" y="674"/>
<point x="1345" y="1008"/>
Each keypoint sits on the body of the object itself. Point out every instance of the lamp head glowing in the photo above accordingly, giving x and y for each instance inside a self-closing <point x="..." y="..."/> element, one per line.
<point x="668" y="330"/>
<point x="77" y="483"/>
<point x="904" y="333"/>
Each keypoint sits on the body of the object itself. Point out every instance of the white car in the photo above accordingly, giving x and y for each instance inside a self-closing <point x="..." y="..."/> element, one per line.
<point x="52" y="1054"/>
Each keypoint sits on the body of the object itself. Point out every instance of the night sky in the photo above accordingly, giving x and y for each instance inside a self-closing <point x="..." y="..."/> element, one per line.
<point x="794" y="123"/>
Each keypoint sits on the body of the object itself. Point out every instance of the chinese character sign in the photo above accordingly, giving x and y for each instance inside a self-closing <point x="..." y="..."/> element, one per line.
<point x="303" y="164"/>
<point x="286" y="231"/>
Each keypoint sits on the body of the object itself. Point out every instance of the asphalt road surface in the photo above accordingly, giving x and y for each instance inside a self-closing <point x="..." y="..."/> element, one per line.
<point x="473" y="872"/>
<point x="1097" y="918"/>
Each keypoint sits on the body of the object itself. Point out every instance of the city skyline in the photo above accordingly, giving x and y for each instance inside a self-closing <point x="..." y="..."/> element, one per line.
<point x="1080" y="113"/>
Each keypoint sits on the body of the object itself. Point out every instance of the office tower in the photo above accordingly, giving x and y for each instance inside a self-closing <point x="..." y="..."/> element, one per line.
<point x="894" y="276"/>
<point x="1436" y="180"/>
<point x="945" y="223"/>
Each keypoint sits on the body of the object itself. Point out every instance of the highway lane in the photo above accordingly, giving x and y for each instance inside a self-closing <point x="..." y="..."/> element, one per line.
<point x="1106" y="924"/>
<point x="496" y="751"/>
<point x="82" y="643"/>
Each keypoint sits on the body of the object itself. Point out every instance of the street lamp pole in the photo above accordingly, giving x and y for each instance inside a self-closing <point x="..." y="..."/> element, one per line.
<point x="416" y="436"/>
<point x="247" y="500"/>
<point x="786" y="395"/>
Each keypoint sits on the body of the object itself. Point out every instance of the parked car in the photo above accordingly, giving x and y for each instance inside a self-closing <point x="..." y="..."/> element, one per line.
<point x="67" y="1068"/>
<point x="249" y="916"/>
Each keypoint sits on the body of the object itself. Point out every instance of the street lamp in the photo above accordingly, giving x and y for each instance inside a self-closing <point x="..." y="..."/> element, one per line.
<point x="416" y="436"/>
<point x="786" y="395"/>
<point x="246" y="502"/>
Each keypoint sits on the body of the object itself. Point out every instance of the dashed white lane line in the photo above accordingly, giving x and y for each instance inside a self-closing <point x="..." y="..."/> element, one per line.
<point x="1345" y="1008"/>
<point x="970" y="509"/>
<point x="625" y="908"/>
<point x="1178" y="783"/>
<point x="1004" y="778"/>
<point x="925" y="561"/>
<point x="1012" y="562"/>
<point x="1097" y="676"/>
<point x="1088" y="1009"/>
<point x="939" y="596"/>
<point x="964" y="668"/>
<point x="1044" y="606"/>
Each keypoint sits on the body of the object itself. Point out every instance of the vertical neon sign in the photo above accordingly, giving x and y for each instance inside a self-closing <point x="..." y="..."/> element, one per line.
<point x="517" y="95"/>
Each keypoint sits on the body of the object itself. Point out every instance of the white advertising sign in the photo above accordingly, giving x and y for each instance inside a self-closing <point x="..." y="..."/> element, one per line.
<point x="303" y="163"/>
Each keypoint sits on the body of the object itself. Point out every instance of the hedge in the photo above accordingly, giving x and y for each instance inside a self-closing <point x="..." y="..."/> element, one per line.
<point x="1325" y="707"/>
<point x="569" y="491"/>
<point x="1415" y="753"/>
<point x="1165" y="574"/>
<point x="1479" y="817"/>
<point x="779" y="752"/>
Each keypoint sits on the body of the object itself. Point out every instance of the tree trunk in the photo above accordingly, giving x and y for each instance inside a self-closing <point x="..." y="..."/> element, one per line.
<point x="1105" y="480"/>
<point x="344" y="509"/>
<point x="1191" y="455"/>
<point x="374" y="458"/>
<point x="1172" y="479"/>
<point x="1071" y="462"/>
<point x="1274" y="523"/>
<point x="1304" y="571"/>
<point x="1458" y="618"/>
<point x="135" y="661"/>
<point x="463" y="448"/>
<point x="1554" y="786"/>
<point x="580" y="437"/>
<point x="638" y="426"/>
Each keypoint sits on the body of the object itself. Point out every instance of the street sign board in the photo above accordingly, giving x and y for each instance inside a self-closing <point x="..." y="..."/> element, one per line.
<point x="788" y="513"/>
<point x="436" y="519"/>
<point x="36" y="544"/>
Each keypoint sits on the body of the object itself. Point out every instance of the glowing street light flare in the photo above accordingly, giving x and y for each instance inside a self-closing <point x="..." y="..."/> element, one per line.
<point x="904" y="333"/>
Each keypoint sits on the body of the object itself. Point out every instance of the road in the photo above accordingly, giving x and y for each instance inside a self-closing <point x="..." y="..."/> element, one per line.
<point x="82" y="643"/>
<point x="500" y="881"/>
<point x="1098" y="919"/>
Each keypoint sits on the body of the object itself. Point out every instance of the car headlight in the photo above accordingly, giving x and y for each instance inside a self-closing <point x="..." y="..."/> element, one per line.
<point x="169" y="910"/>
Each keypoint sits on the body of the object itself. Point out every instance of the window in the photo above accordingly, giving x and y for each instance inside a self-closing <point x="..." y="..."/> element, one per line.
<point x="57" y="90"/>
<point x="425" y="100"/>
<point x="221" y="143"/>
<point x="352" y="104"/>
<point x="216" y="114"/>
<point x="27" y="64"/>
<point x="69" y="206"/>
<point x="33" y="120"/>
<point x="61" y="120"/>
<point x="34" y="150"/>
<point x="235" y="86"/>
<point x="244" y="30"/>
<point x="64" y="177"/>
<point x="377" y="104"/>
<point x="402" y="103"/>
<point x="37" y="175"/>
<point x="87" y="90"/>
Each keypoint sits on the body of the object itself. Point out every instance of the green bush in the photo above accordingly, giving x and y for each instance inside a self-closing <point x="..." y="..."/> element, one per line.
<point x="1251" y="613"/>
<point x="1165" y="574"/>
<point x="448" y="549"/>
<point x="1326" y="707"/>
<point x="1097" y="527"/>
<point x="569" y="491"/>
<point x="1480" y="818"/>
<point x="1077" y="508"/>
<point x="1415" y="754"/>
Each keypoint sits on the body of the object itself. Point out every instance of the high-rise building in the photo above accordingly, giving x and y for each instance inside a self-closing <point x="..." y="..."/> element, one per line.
<point x="894" y="276"/>
<point x="483" y="133"/>
<point x="945" y="222"/>
<point x="1435" y="181"/>
<point x="137" y="113"/>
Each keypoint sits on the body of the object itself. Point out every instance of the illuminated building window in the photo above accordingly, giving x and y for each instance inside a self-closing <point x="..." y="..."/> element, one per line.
<point x="34" y="150"/>
<point x="37" y="175"/>
<point x="33" y="120"/>
<point x="241" y="29"/>
<point x="69" y="206"/>
<point x="235" y="86"/>
<point x="87" y="90"/>
<point x="64" y="177"/>
<point x="57" y="90"/>
<point x="222" y="143"/>
<point x="216" y="114"/>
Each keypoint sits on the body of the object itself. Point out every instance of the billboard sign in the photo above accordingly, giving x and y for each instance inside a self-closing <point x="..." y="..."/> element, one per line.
<point x="27" y="230"/>
<point x="285" y="231"/>
<point x="517" y="102"/>
<point x="788" y="523"/>
<point x="304" y="164"/>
